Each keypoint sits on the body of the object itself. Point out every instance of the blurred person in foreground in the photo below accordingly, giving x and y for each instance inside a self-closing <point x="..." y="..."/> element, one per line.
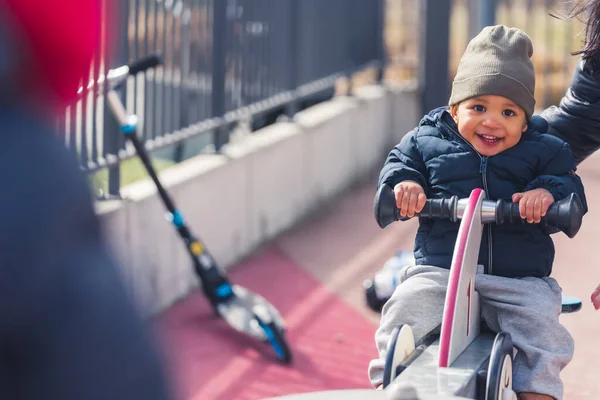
<point x="68" y="330"/>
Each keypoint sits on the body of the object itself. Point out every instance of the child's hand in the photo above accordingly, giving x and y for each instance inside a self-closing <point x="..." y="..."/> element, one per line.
<point x="596" y="298"/>
<point x="410" y="198"/>
<point x="533" y="204"/>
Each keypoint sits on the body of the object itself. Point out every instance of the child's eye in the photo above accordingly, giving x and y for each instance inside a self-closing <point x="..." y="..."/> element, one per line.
<point x="508" y="113"/>
<point x="479" y="107"/>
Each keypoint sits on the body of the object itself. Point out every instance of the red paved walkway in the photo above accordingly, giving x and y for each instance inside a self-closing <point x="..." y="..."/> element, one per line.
<point x="313" y="275"/>
<point x="330" y="340"/>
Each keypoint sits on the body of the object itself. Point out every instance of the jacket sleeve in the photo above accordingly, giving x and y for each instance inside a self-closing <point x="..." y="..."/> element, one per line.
<point x="559" y="177"/>
<point x="577" y="118"/>
<point x="403" y="163"/>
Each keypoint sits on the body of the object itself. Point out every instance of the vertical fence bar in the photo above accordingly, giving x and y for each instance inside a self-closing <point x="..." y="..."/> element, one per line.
<point x="184" y="97"/>
<point x="205" y="110"/>
<point x="274" y="39"/>
<point x="242" y="50"/>
<point x="136" y="49"/>
<point x="259" y="25"/>
<point x="161" y="126"/>
<point x="482" y="13"/>
<point x="250" y="53"/>
<point x="208" y="77"/>
<point x="348" y="26"/>
<point x="155" y="97"/>
<point x="203" y="53"/>
<point x="294" y="17"/>
<point x="548" y="62"/>
<point x="474" y="13"/>
<point x="380" y="37"/>
<point x="147" y="74"/>
<point x="567" y="57"/>
<point x="218" y="69"/>
<point x="237" y="49"/>
<point x="198" y="52"/>
<point x="263" y="61"/>
<point x="169" y="95"/>
<point x="111" y="135"/>
<point x="487" y="15"/>
<point x="433" y="77"/>
<point x="176" y="65"/>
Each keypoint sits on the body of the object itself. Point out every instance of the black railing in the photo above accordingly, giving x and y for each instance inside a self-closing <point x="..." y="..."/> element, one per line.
<point x="224" y="60"/>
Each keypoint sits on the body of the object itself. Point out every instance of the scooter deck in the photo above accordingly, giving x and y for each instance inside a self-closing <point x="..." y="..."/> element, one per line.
<point x="458" y="380"/>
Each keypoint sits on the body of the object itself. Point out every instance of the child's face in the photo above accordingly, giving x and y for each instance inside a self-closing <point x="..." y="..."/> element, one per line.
<point x="490" y="123"/>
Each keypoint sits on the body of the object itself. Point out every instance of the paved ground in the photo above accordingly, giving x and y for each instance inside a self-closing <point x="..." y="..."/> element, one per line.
<point x="313" y="274"/>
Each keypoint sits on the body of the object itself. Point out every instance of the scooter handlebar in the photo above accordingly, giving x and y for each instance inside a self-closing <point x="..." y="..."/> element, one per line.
<point x="144" y="64"/>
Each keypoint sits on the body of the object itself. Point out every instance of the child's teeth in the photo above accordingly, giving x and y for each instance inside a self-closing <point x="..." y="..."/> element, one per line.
<point x="486" y="137"/>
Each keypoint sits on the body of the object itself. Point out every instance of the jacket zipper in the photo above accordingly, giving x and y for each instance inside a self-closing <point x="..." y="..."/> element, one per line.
<point x="483" y="172"/>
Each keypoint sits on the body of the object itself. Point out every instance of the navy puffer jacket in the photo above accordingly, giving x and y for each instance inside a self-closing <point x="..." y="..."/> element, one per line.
<point x="444" y="164"/>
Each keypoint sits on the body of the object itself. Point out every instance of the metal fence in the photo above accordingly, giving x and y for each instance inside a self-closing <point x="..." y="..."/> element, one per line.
<point x="224" y="61"/>
<point x="228" y="61"/>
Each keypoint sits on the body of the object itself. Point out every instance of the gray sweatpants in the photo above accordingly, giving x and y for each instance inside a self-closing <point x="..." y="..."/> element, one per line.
<point x="527" y="308"/>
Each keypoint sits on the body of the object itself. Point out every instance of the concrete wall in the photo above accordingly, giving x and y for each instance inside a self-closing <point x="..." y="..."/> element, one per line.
<point x="259" y="186"/>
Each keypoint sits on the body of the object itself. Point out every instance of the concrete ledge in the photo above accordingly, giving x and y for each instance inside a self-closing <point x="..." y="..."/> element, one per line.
<point x="372" y="117"/>
<point x="405" y="111"/>
<point x="258" y="187"/>
<point x="329" y="162"/>
<point x="274" y="192"/>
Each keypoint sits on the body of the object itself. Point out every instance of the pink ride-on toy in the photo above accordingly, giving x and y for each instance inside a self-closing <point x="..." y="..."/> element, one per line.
<point x="460" y="359"/>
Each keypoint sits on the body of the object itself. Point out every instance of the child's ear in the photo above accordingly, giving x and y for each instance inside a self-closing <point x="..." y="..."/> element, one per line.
<point x="524" y="127"/>
<point x="453" y="113"/>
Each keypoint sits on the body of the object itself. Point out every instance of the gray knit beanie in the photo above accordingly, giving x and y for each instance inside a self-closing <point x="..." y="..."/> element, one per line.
<point x="497" y="62"/>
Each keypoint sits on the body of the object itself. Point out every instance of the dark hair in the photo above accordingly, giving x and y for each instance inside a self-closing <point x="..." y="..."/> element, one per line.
<point x="590" y="10"/>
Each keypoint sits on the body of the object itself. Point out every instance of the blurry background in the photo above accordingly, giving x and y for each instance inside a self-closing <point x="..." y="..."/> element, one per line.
<point x="269" y="121"/>
<point x="240" y="61"/>
<point x="553" y="36"/>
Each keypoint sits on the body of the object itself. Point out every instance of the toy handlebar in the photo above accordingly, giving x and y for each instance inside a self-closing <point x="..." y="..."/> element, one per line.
<point x="565" y="215"/>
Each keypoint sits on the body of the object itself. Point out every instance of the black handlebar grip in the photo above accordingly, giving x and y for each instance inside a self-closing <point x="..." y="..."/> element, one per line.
<point x="386" y="212"/>
<point x="384" y="206"/>
<point x="565" y="215"/>
<point x="440" y="208"/>
<point x="144" y="64"/>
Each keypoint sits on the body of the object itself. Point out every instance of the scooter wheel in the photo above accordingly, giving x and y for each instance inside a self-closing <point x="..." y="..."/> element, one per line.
<point x="276" y="338"/>
<point x="499" y="377"/>
<point x="400" y="346"/>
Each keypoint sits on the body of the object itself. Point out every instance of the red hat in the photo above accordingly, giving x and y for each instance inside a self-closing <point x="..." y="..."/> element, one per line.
<point x="61" y="37"/>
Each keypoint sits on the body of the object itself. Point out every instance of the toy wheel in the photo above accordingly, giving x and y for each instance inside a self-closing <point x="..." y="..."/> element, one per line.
<point x="374" y="302"/>
<point x="570" y="304"/>
<point x="400" y="346"/>
<point x="276" y="338"/>
<point x="499" y="377"/>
